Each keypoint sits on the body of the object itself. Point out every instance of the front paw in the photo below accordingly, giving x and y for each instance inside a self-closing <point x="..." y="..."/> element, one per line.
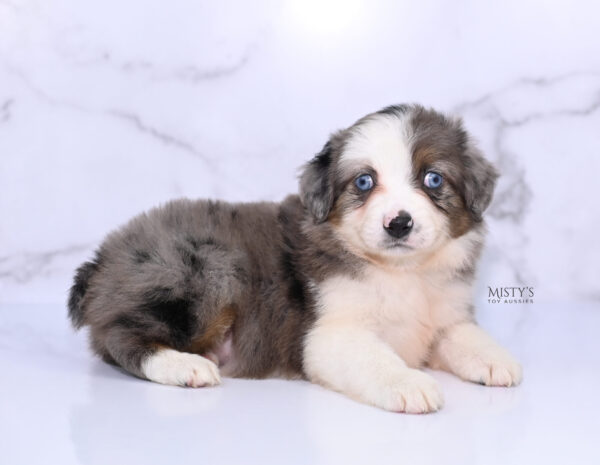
<point x="498" y="368"/>
<point x="411" y="392"/>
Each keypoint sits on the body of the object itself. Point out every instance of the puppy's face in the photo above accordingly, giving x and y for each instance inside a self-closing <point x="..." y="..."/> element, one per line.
<point x="399" y="182"/>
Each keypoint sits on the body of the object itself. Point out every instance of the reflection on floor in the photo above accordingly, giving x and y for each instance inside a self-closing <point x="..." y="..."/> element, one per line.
<point x="62" y="406"/>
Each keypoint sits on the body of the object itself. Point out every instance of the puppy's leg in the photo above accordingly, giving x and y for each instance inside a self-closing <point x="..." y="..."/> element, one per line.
<point x="354" y="361"/>
<point x="159" y="363"/>
<point x="470" y="353"/>
<point x="168" y="366"/>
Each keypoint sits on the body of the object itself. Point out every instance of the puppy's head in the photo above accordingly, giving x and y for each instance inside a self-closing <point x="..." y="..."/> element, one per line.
<point x="399" y="182"/>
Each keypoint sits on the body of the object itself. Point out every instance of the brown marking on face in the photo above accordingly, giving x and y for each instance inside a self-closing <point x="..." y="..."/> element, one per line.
<point x="348" y="197"/>
<point x="439" y="145"/>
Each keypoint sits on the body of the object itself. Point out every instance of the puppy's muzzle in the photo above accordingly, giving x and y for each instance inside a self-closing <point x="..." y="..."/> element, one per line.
<point x="400" y="226"/>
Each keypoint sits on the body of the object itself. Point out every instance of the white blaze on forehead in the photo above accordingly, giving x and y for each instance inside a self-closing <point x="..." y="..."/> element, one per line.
<point x="383" y="142"/>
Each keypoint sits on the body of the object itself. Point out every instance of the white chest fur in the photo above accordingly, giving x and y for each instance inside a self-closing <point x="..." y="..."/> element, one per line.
<point x="406" y="309"/>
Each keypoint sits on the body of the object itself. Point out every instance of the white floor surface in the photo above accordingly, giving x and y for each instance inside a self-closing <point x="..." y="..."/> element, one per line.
<point x="60" y="405"/>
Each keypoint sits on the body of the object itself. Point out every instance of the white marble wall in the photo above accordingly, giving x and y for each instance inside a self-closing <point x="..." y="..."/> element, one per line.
<point x="108" y="108"/>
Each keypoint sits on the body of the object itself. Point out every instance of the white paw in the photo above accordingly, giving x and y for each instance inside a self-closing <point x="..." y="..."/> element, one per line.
<point x="412" y="392"/>
<point x="169" y="366"/>
<point x="495" y="368"/>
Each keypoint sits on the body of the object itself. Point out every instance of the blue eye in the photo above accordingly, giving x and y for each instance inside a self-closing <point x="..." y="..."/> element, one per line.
<point x="433" y="180"/>
<point x="364" y="182"/>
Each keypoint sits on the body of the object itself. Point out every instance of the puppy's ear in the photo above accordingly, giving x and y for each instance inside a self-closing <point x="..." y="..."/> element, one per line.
<point x="479" y="181"/>
<point x="316" y="186"/>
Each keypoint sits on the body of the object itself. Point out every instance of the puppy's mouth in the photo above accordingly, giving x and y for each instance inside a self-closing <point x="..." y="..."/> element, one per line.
<point x="398" y="245"/>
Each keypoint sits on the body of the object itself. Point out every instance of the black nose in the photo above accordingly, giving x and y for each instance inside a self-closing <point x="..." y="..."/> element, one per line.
<point x="400" y="226"/>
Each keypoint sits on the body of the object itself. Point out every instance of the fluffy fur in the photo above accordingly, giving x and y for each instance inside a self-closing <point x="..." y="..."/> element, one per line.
<point x="318" y="286"/>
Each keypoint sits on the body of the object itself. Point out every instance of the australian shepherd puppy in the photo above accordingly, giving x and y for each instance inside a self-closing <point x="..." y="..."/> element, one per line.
<point x="355" y="283"/>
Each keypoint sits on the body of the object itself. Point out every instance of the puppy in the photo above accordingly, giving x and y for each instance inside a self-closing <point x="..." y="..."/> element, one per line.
<point x="355" y="284"/>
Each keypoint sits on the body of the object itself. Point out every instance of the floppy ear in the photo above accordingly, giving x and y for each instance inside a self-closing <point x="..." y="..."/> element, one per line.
<point x="479" y="182"/>
<point x="316" y="187"/>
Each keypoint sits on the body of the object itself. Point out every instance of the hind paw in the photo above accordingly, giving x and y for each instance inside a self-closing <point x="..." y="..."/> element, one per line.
<point x="169" y="366"/>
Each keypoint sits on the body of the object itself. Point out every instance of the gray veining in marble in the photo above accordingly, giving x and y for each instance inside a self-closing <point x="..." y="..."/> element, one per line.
<point x="103" y="115"/>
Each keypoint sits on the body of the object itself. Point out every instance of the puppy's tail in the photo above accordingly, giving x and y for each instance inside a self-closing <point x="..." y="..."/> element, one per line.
<point x="78" y="290"/>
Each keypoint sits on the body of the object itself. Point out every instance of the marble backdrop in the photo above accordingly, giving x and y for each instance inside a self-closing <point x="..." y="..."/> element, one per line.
<point x="108" y="108"/>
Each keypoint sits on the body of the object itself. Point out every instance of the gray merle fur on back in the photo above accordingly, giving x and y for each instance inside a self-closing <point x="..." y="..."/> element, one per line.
<point x="166" y="277"/>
